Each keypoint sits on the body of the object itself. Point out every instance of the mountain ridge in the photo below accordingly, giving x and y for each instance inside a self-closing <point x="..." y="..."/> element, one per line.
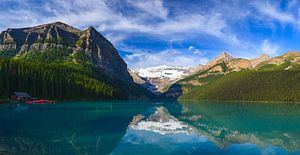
<point x="249" y="75"/>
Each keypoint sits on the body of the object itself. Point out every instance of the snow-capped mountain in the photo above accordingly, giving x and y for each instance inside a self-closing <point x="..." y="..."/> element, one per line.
<point x="163" y="71"/>
<point x="162" y="76"/>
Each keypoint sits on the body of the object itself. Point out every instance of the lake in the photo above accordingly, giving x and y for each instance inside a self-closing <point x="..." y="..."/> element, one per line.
<point x="156" y="127"/>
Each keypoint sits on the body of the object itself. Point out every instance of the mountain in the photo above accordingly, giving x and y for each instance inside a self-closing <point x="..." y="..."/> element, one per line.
<point x="59" y="42"/>
<point x="262" y="78"/>
<point x="233" y="64"/>
<point x="262" y="58"/>
<point x="240" y="64"/>
<point x="223" y="57"/>
<point x="159" y="77"/>
<point x="61" y="62"/>
<point x="290" y="58"/>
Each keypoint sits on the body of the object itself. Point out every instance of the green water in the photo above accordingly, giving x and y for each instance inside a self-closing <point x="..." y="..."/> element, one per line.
<point x="103" y="128"/>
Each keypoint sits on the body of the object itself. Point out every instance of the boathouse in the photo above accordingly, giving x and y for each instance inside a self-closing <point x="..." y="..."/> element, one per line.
<point x="21" y="96"/>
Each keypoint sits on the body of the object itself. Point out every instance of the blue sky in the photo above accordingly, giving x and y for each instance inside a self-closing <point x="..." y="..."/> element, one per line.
<point x="149" y="33"/>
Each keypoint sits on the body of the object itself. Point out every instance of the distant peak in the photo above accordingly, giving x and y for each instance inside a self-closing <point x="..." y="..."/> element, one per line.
<point x="264" y="56"/>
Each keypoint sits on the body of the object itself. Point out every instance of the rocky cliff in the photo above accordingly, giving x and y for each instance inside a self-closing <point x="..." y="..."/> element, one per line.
<point x="239" y="64"/>
<point x="223" y="57"/>
<point x="69" y="43"/>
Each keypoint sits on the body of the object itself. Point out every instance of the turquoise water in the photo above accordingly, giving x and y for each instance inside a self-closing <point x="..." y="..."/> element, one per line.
<point x="136" y="127"/>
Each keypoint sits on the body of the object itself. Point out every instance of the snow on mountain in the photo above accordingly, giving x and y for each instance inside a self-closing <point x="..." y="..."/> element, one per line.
<point x="164" y="71"/>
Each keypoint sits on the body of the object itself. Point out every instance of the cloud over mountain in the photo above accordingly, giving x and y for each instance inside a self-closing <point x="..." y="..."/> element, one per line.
<point x="209" y="26"/>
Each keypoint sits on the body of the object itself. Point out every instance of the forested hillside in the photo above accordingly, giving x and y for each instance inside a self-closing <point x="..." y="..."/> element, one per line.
<point x="54" y="81"/>
<point x="251" y="85"/>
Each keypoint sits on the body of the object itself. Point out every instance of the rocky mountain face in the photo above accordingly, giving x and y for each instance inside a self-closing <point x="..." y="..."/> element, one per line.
<point x="230" y="63"/>
<point x="38" y="38"/>
<point x="292" y="56"/>
<point x="257" y="61"/>
<point x="239" y="64"/>
<point x="70" y="45"/>
<point x="224" y="57"/>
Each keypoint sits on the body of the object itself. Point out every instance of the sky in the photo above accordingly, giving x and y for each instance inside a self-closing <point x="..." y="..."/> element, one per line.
<point x="150" y="33"/>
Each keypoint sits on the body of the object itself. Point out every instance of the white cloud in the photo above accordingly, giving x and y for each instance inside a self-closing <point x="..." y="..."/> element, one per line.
<point x="108" y="19"/>
<point x="196" y="51"/>
<point x="153" y="7"/>
<point x="269" y="48"/>
<point x="273" y="12"/>
<point x="169" y="57"/>
<point x="219" y="23"/>
<point x="115" y="38"/>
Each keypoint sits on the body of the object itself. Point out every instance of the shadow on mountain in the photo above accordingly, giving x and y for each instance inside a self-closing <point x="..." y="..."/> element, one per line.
<point x="173" y="92"/>
<point x="149" y="86"/>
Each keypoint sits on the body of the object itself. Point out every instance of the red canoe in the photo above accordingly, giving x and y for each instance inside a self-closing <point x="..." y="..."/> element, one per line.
<point x="40" y="101"/>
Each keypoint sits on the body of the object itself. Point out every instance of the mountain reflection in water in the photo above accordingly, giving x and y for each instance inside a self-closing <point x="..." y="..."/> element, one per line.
<point x="151" y="128"/>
